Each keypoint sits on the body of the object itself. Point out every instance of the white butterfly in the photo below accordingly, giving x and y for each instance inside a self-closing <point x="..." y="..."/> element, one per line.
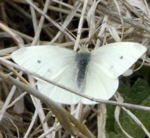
<point x="93" y="73"/>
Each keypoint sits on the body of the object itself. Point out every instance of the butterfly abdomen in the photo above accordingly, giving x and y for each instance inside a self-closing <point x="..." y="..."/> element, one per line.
<point x="82" y="60"/>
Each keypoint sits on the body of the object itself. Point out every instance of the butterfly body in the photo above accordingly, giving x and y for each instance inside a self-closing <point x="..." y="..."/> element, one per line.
<point x="82" y="60"/>
<point x="92" y="73"/>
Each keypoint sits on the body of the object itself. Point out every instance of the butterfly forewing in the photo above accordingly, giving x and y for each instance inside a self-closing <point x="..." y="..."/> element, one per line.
<point x="114" y="59"/>
<point x="48" y="61"/>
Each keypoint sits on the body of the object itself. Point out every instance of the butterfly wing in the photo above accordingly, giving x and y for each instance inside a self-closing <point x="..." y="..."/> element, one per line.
<point x="98" y="85"/>
<point x="53" y="63"/>
<point x="114" y="59"/>
<point x="43" y="59"/>
<point x="60" y="95"/>
<point x="106" y="65"/>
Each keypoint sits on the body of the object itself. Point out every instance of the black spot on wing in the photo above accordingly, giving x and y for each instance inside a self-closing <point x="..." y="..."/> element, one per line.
<point x="121" y="57"/>
<point x="39" y="61"/>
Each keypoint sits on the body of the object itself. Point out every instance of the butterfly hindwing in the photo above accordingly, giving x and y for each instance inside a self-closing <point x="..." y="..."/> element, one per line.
<point x="98" y="85"/>
<point x="58" y="94"/>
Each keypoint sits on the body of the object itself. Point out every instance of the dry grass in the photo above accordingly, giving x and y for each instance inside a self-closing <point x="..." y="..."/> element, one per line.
<point x="68" y="24"/>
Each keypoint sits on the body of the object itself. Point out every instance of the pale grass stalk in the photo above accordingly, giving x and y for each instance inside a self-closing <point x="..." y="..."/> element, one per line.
<point x="19" y="9"/>
<point x="67" y="21"/>
<point x="25" y="36"/>
<point x="76" y="111"/>
<point x="6" y="51"/>
<point x="101" y="32"/>
<point x="34" y="117"/>
<point x="147" y="8"/>
<point x="34" y="18"/>
<point x="38" y="105"/>
<point x="79" y="31"/>
<point x="119" y="11"/>
<point x="137" y="121"/>
<point x="17" y="130"/>
<point x="121" y="19"/>
<point x="131" y="115"/>
<point x="65" y="11"/>
<point x="91" y="18"/>
<point x="101" y="121"/>
<point x="16" y="37"/>
<point x="8" y="100"/>
<point x="114" y="15"/>
<point x="50" y="20"/>
<point x="117" y="116"/>
<point x="55" y="128"/>
<point x="16" y="100"/>
<point x="40" y="25"/>
<point x="63" y="3"/>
